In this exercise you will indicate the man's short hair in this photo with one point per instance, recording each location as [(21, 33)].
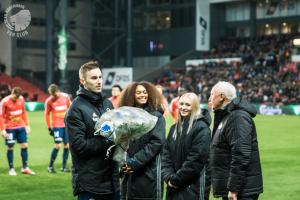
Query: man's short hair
[(88, 67), (117, 86), (52, 89), (17, 91), (225, 88)]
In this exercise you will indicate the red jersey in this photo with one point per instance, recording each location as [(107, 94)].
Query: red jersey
[(174, 108), (12, 113), (114, 101), (57, 107), (166, 106)]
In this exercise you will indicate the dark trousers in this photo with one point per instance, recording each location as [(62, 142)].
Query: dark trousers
[(90, 196), (252, 197)]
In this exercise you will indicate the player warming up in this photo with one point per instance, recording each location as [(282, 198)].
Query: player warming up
[(14, 126), (57, 105)]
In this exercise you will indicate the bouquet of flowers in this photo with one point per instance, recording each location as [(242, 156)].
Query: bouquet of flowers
[(122, 125)]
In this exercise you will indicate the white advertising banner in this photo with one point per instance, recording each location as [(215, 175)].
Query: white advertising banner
[(295, 58), (121, 76), (202, 61), (202, 25)]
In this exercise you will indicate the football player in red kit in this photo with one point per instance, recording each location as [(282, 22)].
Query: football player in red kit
[(57, 105), (14, 126)]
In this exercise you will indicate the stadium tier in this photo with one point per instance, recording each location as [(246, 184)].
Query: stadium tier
[(34, 93), (262, 68)]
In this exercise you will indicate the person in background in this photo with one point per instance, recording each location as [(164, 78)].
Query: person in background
[(186, 152), (115, 95), (56, 106), (165, 102), (94, 176), (26, 96), (234, 156), (14, 125), (175, 104), (142, 173), (5, 90)]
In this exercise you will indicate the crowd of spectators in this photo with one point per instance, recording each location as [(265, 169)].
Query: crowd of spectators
[(265, 73)]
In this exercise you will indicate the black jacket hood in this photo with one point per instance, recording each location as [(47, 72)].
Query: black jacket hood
[(205, 116), (94, 98), (241, 104), (157, 112)]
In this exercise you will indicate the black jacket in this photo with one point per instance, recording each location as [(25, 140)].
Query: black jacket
[(91, 171), (185, 160), (235, 162), (145, 159)]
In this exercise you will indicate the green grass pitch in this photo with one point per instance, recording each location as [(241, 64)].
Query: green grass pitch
[(279, 141)]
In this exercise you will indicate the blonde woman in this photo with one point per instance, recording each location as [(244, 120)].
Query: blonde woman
[(186, 152)]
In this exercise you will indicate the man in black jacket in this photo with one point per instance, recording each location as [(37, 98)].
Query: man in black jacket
[(234, 156), (94, 176)]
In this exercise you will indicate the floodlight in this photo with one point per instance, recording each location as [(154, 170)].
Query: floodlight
[(296, 42)]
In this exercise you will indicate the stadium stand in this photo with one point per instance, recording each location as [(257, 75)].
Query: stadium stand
[(34, 93), (265, 73)]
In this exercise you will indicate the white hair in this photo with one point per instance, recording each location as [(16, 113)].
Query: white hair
[(225, 88)]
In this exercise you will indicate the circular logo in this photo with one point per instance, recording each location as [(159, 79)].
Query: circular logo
[(17, 19), (107, 127)]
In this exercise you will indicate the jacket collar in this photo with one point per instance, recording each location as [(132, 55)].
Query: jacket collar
[(94, 98), (237, 104)]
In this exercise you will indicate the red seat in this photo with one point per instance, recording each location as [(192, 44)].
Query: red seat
[(25, 85)]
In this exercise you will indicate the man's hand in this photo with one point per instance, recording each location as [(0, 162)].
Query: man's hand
[(127, 169), (28, 130), (232, 195), (4, 134), (51, 132)]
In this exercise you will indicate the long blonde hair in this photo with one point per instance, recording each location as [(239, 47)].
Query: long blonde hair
[(195, 113)]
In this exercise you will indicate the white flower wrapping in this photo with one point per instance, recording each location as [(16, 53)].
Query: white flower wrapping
[(122, 125)]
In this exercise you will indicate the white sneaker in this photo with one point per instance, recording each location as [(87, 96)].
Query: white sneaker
[(27, 171), (12, 172)]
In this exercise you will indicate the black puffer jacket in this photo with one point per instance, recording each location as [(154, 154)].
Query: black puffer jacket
[(185, 160), (235, 162), (145, 159), (91, 171)]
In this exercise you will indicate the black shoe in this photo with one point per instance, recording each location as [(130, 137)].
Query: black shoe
[(65, 170), (51, 170)]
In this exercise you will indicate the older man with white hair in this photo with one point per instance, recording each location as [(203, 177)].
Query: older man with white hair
[(234, 156)]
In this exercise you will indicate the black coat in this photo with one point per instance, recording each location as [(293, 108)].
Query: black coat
[(185, 160), (145, 159), (91, 172), (235, 162)]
